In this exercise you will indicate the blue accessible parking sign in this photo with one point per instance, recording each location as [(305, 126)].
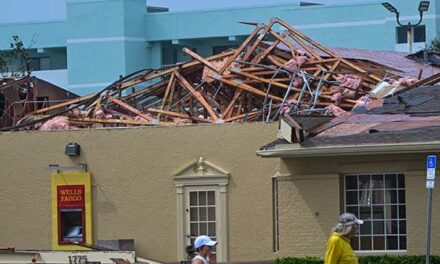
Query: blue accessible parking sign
[(431, 164)]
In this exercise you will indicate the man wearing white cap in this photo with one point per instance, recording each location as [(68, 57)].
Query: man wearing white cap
[(203, 246), (339, 250)]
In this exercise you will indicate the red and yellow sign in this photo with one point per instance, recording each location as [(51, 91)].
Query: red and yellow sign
[(70, 196), (71, 190)]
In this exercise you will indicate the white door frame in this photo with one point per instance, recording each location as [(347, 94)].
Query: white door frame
[(202, 175)]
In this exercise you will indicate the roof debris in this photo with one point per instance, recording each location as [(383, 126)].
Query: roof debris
[(25, 94), (268, 75), (412, 116)]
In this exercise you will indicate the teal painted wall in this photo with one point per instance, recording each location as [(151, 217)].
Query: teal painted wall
[(102, 39), (437, 20), (105, 41), (135, 48), (42, 34)]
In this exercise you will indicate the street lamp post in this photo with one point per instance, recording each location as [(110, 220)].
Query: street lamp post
[(423, 7)]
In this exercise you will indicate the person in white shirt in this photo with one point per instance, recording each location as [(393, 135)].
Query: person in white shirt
[(203, 245)]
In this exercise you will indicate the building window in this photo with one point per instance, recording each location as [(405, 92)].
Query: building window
[(202, 219), (379, 200), (39, 64), (220, 49), (175, 57), (276, 214), (419, 34)]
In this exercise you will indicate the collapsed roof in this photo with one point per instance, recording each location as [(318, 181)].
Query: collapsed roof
[(20, 95), (270, 74), (412, 117)]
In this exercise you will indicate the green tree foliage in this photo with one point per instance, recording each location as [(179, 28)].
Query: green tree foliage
[(434, 45), (16, 62)]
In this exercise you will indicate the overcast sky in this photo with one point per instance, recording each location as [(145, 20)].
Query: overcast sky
[(31, 10)]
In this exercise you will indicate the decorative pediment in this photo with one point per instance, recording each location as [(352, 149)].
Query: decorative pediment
[(202, 172)]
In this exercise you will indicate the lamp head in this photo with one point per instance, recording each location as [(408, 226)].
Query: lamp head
[(390, 7), (423, 6)]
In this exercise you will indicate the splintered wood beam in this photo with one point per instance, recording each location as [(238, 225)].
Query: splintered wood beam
[(304, 37), (130, 108), (169, 102), (116, 121), (323, 61), (327, 51), (179, 115), (263, 55), (259, 39), (196, 94), (253, 69), (360, 70), (241, 116), (160, 73), (274, 61), (145, 90), (61, 105), (98, 105), (228, 111), (305, 46), (334, 66), (240, 104), (167, 91), (245, 87), (200, 59), (272, 82), (291, 47), (240, 49), (282, 38)]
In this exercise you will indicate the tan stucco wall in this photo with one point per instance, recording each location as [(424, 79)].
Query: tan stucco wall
[(310, 200), (134, 195)]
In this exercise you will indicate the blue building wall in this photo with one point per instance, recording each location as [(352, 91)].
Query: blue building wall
[(103, 39)]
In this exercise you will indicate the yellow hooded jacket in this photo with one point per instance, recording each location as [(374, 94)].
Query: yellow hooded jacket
[(339, 250)]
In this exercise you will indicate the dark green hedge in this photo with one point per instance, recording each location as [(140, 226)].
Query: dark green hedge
[(387, 259)]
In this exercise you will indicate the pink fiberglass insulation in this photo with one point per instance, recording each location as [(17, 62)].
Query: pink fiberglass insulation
[(286, 107), (346, 89), (298, 81), (78, 113), (349, 81), (295, 63), (181, 120), (406, 81), (336, 110), (56, 123)]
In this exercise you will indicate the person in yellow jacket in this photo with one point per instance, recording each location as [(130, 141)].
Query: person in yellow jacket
[(339, 250)]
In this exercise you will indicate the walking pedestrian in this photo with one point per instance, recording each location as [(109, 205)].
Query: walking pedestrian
[(203, 246), (339, 250)]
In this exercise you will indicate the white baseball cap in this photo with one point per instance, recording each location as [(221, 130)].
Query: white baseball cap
[(204, 241), (349, 219)]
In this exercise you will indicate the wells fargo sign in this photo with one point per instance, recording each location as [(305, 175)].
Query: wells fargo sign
[(70, 195)]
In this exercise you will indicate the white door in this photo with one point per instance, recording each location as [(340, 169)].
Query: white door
[(201, 211)]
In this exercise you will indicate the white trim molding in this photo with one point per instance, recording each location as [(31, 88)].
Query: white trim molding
[(203, 174), (295, 150), (88, 85)]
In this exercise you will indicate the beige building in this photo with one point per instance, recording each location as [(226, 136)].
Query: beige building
[(370, 162), (164, 186), (158, 186)]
